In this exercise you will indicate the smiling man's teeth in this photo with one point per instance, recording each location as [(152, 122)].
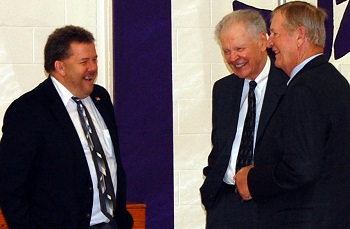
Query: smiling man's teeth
[(239, 65), (87, 77)]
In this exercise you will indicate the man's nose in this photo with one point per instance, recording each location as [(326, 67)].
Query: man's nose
[(269, 42), (92, 66), (233, 56)]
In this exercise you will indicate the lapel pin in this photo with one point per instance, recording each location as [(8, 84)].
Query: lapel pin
[(98, 98)]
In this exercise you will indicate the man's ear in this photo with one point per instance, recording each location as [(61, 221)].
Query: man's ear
[(301, 35), (59, 67), (263, 40)]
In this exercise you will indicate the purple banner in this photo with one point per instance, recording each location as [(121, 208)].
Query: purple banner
[(341, 46), (143, 104)]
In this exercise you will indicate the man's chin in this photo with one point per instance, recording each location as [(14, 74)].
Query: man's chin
[(243, 74), (278, 63)]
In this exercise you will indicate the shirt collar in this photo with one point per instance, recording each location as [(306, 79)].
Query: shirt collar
[(64, 93), (263, 74), (300, 66)]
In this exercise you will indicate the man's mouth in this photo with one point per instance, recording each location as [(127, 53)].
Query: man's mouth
[(276, 51), (88, 78), (239, 65)]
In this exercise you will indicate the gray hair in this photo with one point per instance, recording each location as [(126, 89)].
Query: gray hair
[(255, 24), (300, 13)]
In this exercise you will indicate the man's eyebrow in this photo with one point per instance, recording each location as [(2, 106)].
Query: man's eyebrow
[(86, 58)]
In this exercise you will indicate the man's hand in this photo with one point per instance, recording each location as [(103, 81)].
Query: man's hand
[(242, 183)]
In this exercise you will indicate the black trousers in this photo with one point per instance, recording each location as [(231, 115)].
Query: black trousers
[(230, 211)]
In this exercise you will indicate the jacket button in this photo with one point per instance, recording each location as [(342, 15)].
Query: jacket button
[(88, 215), (90, 189)]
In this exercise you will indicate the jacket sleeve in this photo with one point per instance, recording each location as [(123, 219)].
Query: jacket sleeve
[(215, 152), (17, 153)]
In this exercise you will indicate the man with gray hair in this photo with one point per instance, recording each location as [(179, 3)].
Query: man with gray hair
[(243, 103), (301, 173)]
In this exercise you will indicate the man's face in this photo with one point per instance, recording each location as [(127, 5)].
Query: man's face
[(245, 55), (79, 71), (283, 44)]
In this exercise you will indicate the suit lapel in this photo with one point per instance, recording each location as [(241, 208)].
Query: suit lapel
[(103, 105), (276, 85), (100, 103), (312, 64), (59, 112), (234, 100)]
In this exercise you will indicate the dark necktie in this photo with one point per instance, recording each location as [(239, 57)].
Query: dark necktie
[(105, 185), (245, 152)]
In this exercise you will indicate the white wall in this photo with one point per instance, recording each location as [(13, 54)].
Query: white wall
[(197, 64)]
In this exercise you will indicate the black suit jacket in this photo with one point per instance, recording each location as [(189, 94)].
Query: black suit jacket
[(227, 94), (45, 180), (301, 177)]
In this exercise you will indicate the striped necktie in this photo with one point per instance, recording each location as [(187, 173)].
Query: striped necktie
[(105, 185)]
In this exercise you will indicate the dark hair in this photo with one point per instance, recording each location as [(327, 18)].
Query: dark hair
[(58, 44)]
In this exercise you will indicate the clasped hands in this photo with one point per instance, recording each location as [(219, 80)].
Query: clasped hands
[(241, 179)]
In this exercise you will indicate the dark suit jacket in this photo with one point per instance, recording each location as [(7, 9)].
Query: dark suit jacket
[(301, 177), (45, 180), (227, 94)]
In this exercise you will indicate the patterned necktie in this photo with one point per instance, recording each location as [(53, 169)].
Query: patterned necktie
[(245, 153), (105, 185)]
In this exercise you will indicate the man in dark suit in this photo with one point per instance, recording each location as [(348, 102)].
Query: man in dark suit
[(300, 177), (48, 175), (242, 35)]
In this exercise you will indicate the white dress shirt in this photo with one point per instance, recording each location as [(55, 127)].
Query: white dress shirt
[(96, 215), (260, 89)]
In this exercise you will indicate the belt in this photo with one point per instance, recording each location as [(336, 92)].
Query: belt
[(230, 187), (111, 225)]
